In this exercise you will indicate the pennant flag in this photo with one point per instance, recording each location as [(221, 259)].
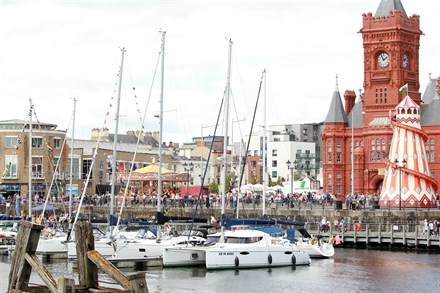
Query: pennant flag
[(17, 205), (403, 89), (121, 181), (303, 184)]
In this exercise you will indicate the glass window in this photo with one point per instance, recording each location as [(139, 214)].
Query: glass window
[(87, 163), (10, 167), (11, 141), (274, 153), (274, 163), (57, 143), (75, 171), (37, 142), (37, 167), (338, 157), (274, 174)]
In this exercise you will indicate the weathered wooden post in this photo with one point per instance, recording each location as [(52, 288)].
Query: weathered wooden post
[(26, 242), (87, 270)]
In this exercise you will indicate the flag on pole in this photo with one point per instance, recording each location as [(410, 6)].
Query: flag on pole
[(403, 89)]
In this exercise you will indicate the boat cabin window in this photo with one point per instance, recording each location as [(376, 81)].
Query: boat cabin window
[(243, 239), (213, 239)]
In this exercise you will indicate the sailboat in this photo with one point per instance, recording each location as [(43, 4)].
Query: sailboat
[(244, 247), (184, 255), (144, 244)]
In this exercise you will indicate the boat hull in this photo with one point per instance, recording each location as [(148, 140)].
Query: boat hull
[(323, 250), (224, 257), (184, 256)]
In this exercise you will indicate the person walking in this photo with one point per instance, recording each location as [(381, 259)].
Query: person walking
[(425, 227)]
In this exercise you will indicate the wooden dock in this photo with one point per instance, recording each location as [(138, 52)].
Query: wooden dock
[(89, 261), (393, 235)]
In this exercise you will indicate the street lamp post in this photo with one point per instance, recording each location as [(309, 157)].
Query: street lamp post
[(400, 165), (291, 167)]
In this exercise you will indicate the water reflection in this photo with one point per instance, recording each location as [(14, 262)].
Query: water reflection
[(350, 271)]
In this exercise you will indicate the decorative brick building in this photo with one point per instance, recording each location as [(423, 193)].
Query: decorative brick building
[(391, 41)]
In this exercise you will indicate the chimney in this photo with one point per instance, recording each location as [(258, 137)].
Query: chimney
[(350, 99)]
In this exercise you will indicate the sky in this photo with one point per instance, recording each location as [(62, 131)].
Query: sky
[(56, 51)]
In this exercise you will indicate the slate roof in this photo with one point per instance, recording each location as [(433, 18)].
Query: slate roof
[(430, 91), (132, 139), (336, 113), (431, 114), (358, 117), (386, 6)]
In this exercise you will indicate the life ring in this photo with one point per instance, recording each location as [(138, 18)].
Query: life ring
[(269, 259), (314, 241), (237, 261)]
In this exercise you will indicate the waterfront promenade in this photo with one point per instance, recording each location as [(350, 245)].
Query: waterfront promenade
[(366, 226)]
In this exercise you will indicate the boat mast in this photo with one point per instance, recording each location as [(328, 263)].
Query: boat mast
[(159, 172), (71, 164), (31, 110), (264, 144), (115, 139), (225, 137)]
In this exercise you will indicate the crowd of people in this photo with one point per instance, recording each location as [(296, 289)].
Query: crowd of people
[(431, 227)]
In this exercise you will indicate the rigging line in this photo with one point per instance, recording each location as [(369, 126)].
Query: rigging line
[(236, 116), (50, 157), (93, 158), (55, 172), (182, 105), (115, 230), (134, 91), (206, 165), (250, 133), (237, 67)]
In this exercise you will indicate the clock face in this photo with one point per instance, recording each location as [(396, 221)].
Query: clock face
[(405, 60), (383, 60)]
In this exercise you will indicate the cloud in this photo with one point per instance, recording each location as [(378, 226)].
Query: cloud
[(54, 51)]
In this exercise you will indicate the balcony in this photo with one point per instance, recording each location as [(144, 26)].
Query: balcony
[(307, 167), (305, 156)]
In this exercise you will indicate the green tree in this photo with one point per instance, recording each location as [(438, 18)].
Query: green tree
[(269, 179), (280, 181), (254, 179), (213, 187)]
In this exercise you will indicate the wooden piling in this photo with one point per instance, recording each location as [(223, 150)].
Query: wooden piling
[(25, 242), (88, 260), (87, 270)]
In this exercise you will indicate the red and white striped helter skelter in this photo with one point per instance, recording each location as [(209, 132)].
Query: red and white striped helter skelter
[(407, 181)]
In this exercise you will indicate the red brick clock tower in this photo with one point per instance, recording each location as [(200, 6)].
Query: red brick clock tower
[(391, 42), (357, 135)]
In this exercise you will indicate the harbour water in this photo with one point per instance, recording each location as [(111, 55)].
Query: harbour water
[(351, 270)]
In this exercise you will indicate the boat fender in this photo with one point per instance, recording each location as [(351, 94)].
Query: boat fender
[(314, 240), (237, 261), (293, 259), (269, 259)]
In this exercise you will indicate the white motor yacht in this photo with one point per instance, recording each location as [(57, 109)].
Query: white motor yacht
[(253, 249)]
